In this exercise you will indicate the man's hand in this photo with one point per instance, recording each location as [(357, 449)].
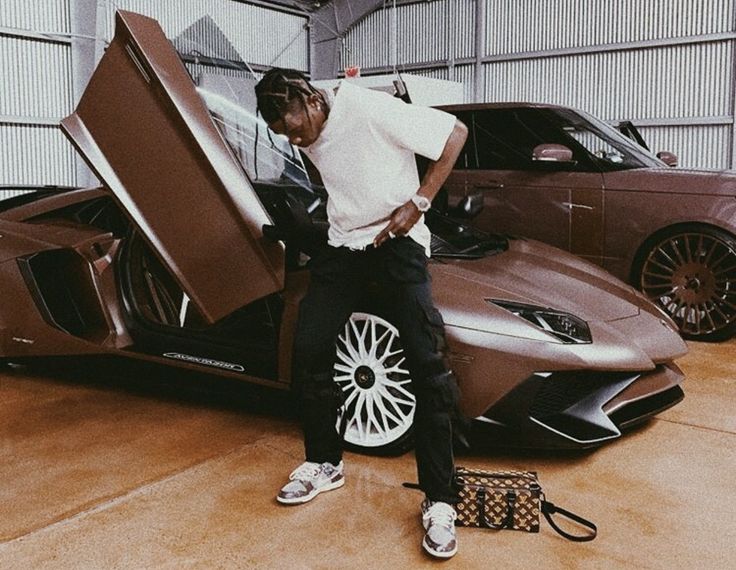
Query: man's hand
[(402, 220)]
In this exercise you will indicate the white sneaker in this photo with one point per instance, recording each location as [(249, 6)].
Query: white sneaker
[(439, 522), (309, 480)]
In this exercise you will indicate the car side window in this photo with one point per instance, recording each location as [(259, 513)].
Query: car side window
[(505, 138)]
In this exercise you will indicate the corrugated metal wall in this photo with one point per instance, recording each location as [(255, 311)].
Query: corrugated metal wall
[(630, 64), (516, 26), (260, 35), (37, 87), (427, 31), (34, 94), (38, 15), (667, 65)]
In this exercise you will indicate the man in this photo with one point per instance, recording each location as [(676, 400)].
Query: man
[(364, 143)]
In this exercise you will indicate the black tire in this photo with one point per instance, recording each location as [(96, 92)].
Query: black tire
[(379, 400), (690, 272)]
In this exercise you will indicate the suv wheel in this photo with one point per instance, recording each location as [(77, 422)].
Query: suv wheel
[(691, 273)]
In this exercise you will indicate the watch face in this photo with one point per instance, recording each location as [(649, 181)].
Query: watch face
[(422, 202)]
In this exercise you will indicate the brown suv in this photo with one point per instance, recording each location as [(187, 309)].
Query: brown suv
[(566, 178)]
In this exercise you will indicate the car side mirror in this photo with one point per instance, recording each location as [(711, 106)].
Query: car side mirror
[(469, 206), (552, 153), (670, 159)]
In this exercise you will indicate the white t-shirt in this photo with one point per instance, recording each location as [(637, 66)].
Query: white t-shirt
[(365, 155)]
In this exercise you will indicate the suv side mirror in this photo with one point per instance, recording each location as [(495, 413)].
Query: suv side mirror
[(469, 206), (552, 153), (670, 159)]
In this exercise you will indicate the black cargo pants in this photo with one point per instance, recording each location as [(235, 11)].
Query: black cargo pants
[(339, 279)]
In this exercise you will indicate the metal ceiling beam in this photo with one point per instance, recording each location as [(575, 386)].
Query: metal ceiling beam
[(328, 27)]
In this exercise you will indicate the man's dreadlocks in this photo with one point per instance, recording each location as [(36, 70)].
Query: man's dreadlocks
[(278, 88)]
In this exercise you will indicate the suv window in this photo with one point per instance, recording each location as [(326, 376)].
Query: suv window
[(504, 139)]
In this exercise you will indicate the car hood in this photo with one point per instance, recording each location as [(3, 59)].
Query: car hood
[(673, 180), (628, 331), (534, 273)]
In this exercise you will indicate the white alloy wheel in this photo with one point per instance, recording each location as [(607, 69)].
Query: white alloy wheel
[(371, 371)]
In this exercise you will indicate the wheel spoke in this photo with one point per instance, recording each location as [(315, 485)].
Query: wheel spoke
[(722, 271), (396, 368), (717, 309), (372, 419), (709, 316), (722, 258), (700, 246), (389, 353), (666, 286), (358, 415), (353, 354), (350, 397), (403, 391), (344, 368), (377, 343), (343, 378), (656, 275), (688, 253), (359, 337), (402, 382), (711, 251), (669, 269), (723, 301), (396, 402), (696, 312), (676, 249), (380, 402)]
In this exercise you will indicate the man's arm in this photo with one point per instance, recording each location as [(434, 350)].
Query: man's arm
[(404, 217)]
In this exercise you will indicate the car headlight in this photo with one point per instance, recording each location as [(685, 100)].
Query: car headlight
[(566, 327)]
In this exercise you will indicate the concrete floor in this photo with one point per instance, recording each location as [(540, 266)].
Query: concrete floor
[(144, 469)]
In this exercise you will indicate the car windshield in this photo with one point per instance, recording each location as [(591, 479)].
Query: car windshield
[(226, 84), (609, 147), (450, 238)]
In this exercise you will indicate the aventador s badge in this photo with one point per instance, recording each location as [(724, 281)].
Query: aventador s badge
[(205, 361)]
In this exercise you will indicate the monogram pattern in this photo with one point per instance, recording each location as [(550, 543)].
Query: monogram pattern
[(502, 499)]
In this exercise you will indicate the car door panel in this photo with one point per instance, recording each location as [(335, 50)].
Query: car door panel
[(559, 203), (515, 205), (146, 133), (586, 221)]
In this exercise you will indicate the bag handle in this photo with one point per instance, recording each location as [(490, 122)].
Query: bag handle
[(508, 521), (549, 509)]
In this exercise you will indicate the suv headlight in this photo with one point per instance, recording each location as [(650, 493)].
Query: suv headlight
[(566, 327)]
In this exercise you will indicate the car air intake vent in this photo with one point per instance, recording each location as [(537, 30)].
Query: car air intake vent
[(571, 404), (60, 281), (560, 390)]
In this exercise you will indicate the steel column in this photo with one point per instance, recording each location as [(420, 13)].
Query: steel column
[(480, 42), (733, 96)]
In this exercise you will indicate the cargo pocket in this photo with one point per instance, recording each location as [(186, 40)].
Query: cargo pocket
[(405, 261), (442, 392), (434, 326)]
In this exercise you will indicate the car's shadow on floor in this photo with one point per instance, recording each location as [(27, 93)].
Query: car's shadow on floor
[(164, 383), (193, 388)]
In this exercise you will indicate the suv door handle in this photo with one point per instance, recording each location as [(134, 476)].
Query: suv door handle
[(490, 185), (571, 205)]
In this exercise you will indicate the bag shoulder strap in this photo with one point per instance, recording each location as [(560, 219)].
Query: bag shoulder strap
[(549, 509)]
